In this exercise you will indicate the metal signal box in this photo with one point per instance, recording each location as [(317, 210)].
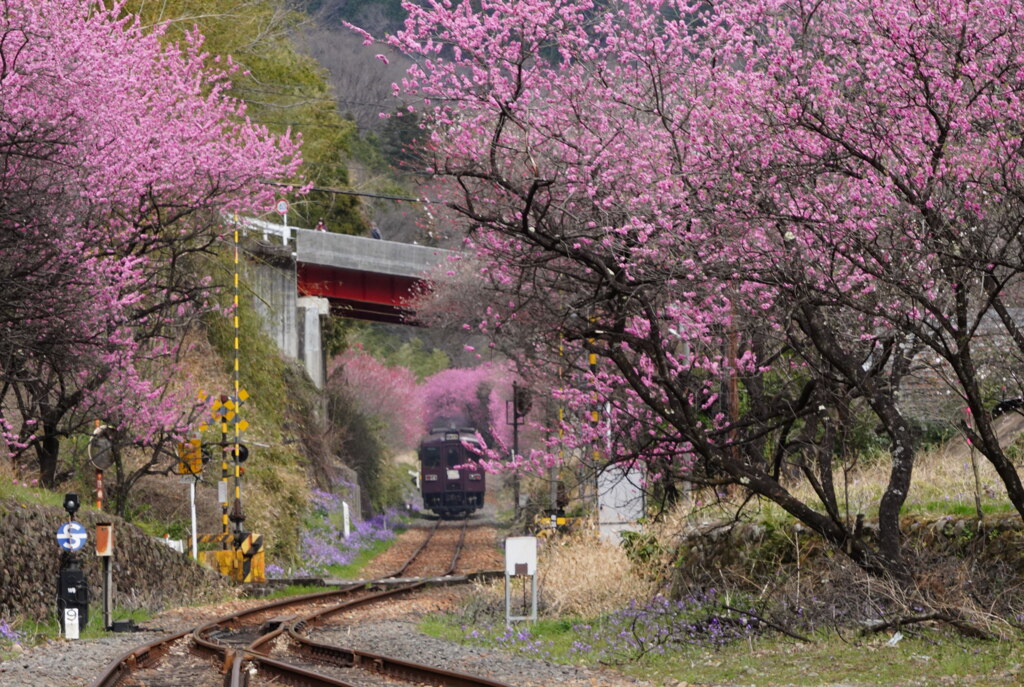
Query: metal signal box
[(104, 539)]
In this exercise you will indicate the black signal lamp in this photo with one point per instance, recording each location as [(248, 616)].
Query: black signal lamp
[(522, 400), (71, 504)]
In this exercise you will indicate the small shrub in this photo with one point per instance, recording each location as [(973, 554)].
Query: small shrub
[(644, 551)]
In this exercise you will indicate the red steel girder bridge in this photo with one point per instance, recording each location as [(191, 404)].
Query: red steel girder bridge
[(363, 278)]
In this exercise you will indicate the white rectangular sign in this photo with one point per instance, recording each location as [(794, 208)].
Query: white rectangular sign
[(71, 623), (519, 552)]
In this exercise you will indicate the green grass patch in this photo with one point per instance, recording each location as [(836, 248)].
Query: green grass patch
[(958, 508), (32, 632), (177, 528), (296, 590), (353, 569), (925, 658), (26, 494)]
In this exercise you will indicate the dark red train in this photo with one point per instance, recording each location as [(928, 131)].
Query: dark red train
[(451, 481)]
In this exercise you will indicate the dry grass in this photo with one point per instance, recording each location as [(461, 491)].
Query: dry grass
[(947, 480), (581, 575), (578, 575), (943, 482)]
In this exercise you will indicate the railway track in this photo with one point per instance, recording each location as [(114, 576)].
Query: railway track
[(275, 644), (426, 560)]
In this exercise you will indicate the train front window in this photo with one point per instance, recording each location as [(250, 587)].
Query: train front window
[(453, 458), (430, 456)]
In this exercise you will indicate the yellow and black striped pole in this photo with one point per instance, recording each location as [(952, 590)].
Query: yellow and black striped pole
[(236, 399), (223, 471)]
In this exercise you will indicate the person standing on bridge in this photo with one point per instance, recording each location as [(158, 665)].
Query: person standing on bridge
[(375, 232), (320, 226)]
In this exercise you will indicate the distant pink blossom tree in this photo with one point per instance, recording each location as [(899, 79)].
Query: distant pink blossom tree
[(755, 214), (470, 397), (387, 393), (121, 157)]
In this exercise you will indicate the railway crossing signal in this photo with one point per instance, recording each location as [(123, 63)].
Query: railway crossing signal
[(241, 556), (190, 457)]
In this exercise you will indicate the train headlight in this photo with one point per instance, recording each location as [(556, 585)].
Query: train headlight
[(475, 476), (429, 478)]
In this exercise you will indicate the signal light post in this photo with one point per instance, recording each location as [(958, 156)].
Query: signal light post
[(522, 400), (72, 586), (190, 467)]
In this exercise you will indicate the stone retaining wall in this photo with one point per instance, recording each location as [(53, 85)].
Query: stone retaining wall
[(147, 574)]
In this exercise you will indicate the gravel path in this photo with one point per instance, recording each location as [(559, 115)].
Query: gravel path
[(403, 640), (68, 663)]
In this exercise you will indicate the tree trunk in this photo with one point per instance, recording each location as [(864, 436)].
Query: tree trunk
[(47, 451)]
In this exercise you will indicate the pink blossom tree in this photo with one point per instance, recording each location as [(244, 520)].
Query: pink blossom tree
[(754, 214), (121, 157), (470, 397), (388, 394), (904, 211)]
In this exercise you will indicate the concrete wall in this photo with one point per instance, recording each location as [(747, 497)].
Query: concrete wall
[(292, 322), (271, 276)]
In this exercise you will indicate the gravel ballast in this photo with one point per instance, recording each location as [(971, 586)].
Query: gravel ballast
[(389, 630)]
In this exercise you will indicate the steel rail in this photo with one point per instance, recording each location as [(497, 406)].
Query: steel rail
[(343, 657), (386, 665), (118, 670), (319, 652), (458, 547), (149, 654), (321, 616), (236, 662)]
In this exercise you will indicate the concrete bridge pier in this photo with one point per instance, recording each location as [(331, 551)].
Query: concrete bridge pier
[(292, 322)]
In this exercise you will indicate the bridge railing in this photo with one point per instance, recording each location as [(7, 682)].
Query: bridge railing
[(268, 229), (344, 251)]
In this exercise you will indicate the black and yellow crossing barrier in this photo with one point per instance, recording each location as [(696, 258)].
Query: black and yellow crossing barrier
[(244, 561)]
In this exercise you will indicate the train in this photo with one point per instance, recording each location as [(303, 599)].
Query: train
[(448, 490)]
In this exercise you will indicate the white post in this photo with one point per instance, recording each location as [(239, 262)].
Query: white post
[(70, 623), (345, 521), (192, 503)]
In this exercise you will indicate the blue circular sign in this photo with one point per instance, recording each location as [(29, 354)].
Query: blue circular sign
[(71, 536)]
